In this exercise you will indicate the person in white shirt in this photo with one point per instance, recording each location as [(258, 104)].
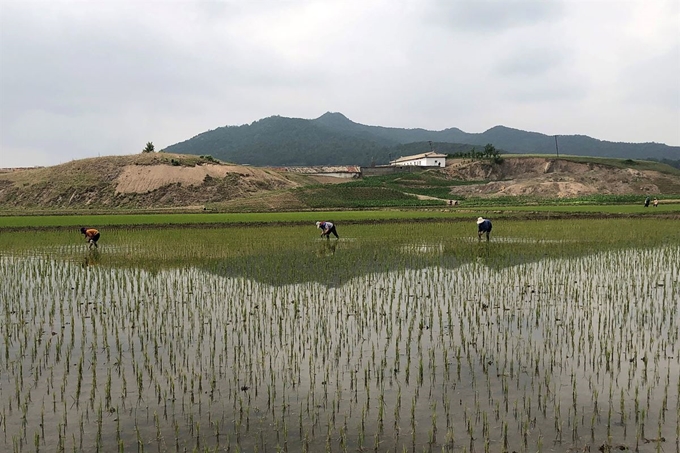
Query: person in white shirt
[(326, 229)]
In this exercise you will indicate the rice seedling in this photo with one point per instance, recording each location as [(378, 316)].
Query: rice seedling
[(252, 340)]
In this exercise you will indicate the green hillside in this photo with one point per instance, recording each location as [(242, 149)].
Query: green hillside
[(279, 141), (333, 139)]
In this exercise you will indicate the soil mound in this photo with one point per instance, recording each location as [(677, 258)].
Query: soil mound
[(556, 178), (142, 179), (156, 180)]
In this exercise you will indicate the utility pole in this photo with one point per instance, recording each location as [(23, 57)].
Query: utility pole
[(557, 148)]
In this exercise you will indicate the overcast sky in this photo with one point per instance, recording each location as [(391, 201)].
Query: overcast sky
[(93, 78)]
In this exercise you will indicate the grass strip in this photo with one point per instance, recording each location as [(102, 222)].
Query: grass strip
[(386, 215)]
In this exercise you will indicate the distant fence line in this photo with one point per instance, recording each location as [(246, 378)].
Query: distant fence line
[(338, 171), (350, 171), (391, 169)]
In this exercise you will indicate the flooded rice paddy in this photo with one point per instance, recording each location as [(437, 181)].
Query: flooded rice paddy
[(554, 336)]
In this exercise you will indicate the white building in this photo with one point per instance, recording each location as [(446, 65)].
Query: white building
[(430, 159)]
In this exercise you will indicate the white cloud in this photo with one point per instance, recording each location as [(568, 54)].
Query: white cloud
[(86, 78)]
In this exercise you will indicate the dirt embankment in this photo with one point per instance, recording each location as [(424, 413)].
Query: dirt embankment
[(168, 181), (138, 181), (143, 179), (554, 178)]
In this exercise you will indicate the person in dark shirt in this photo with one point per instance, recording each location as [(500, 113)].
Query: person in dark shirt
[(91, 236), (326, 229), (483, 226)]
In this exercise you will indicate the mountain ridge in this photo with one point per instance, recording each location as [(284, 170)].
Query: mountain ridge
[(334, 139)]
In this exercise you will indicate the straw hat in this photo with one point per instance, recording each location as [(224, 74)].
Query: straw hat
[(317, 224), (480, 220)]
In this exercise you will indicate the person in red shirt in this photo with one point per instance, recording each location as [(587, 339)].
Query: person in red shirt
[(91, 236)]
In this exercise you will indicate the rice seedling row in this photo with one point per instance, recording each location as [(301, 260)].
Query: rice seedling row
[(442, 344)]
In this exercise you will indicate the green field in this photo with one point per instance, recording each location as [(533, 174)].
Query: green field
[(383, 215), (214, 218)]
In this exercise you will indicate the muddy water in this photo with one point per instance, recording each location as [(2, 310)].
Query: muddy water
[(419, 345)]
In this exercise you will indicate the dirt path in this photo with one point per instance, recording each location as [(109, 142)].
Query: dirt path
[(426, 197)]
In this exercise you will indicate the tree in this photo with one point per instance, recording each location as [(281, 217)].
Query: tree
[(491, 153), (149, 148)]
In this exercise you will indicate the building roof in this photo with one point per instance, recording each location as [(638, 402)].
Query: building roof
[(418, 156)]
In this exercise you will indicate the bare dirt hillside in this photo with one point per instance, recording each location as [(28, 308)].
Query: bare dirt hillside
[(170, 181), (143, 180), (553, 178)]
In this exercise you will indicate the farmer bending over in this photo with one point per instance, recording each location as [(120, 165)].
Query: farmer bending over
[(326, 229), (91, 236), (483, 226)]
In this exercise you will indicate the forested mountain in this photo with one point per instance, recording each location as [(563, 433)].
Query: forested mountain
[(334, 139), (286, 141)]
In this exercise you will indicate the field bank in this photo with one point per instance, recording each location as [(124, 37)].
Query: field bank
[(538, 212)]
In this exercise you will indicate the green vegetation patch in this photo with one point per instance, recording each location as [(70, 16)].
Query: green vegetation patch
[(587, 201), (468, 209), (275, 246), (133, 220), (430, 183), (347, 196)]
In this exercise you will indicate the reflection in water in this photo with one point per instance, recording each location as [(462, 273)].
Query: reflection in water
[(443, 351), (285, 266), (434, 248), (92, 257), (326, 248)]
